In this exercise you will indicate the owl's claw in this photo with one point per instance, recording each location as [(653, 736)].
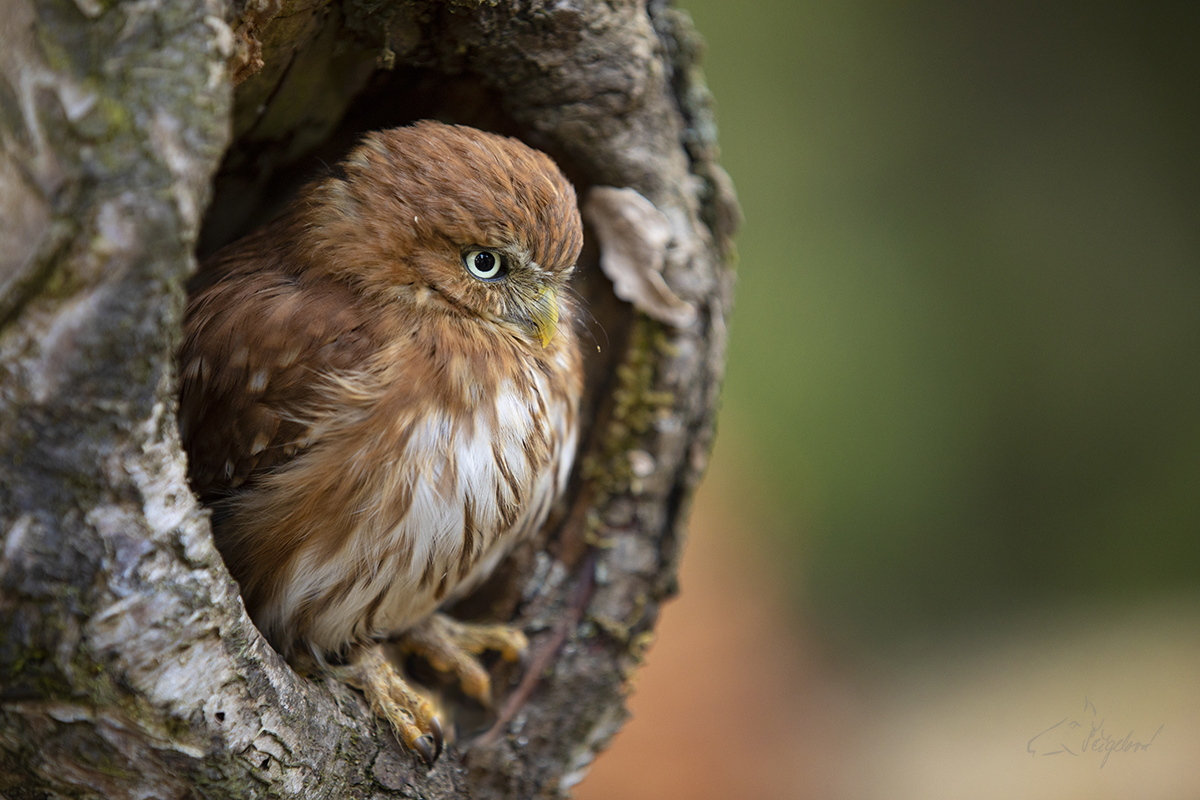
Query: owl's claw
[(435, 728), (421, 745), (429, 747), (451, 647), (411, 715)]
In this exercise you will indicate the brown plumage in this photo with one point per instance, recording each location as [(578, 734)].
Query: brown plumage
[(380, 393)]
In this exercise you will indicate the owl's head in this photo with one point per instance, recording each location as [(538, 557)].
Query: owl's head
[(460, 220)]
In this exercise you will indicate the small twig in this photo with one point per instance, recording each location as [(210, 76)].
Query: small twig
[(546, 652)]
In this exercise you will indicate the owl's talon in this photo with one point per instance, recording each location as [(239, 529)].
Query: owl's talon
[(425, 749), (452, 647), (412, 716), (435, 728)]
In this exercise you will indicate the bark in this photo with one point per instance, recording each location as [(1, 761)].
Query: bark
[(128, 667)]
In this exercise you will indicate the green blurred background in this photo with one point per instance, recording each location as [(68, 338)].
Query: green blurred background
[(965, 359), (955, 497)]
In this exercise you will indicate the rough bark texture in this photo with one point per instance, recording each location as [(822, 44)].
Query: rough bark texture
[(128, 667)]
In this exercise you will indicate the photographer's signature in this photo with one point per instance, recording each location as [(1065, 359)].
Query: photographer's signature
[(1073, 737)]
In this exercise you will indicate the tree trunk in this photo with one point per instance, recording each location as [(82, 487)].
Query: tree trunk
[(128, 666)]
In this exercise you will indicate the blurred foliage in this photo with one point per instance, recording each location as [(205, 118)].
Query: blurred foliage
[(966, 350)]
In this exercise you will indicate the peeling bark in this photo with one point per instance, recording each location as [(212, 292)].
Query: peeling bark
[(128, 667)]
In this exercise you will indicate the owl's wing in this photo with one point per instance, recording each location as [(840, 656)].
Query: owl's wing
[(254, 344)]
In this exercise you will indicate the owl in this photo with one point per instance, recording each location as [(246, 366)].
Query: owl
[(379, 398)]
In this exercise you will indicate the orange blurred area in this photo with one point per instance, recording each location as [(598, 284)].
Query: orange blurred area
[(734, 700)]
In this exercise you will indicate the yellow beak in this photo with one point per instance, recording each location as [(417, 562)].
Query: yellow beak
[(543, 315)]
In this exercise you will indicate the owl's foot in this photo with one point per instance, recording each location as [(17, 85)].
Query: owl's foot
[(411, 714), (452, 647)]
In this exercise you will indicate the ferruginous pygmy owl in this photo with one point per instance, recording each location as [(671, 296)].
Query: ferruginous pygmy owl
[(380, 394)]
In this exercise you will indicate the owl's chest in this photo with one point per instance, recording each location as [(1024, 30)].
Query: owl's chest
[(472, 479), (456, 489)]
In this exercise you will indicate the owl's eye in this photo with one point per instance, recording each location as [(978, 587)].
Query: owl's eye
[(487, 265)]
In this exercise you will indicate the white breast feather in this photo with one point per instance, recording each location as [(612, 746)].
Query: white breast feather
[(435, 520)]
